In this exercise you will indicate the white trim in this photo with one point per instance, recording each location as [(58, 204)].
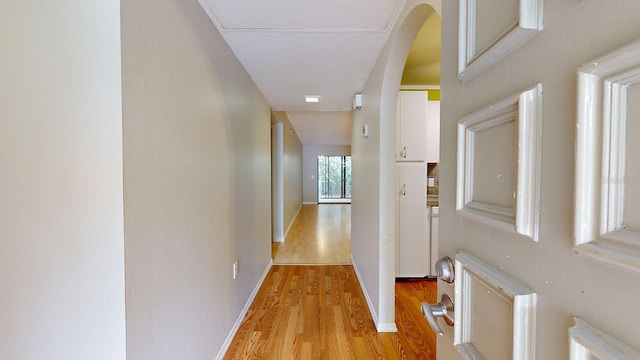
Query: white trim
[(599, 229), (523, 216), (587, 341), (472, 61), (387, 327), (436, 4), (243, 313), (523, 307), (210, 13), (529, 160), (310, 203), (381, 327), (419, 87), (277, 181)]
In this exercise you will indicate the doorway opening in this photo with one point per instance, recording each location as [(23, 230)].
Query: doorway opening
[(334, 179)]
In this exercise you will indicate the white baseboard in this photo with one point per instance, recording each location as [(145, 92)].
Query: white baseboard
[(372, 310), (381, 327), (387, 328), (236, 326), (279, 239), (292, 221), (310, 203)]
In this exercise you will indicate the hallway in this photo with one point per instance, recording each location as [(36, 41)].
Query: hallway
[(319, 311), (319, 235)]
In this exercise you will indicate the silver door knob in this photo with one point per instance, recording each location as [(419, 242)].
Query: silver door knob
[(443, 309), (446, 270)]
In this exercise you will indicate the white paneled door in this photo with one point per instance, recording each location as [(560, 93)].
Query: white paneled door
[(540, 179)]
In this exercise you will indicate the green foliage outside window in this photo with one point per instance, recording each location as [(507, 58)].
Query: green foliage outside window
[(334, 177)]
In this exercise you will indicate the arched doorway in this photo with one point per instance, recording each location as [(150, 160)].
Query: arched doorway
[(374, 167)]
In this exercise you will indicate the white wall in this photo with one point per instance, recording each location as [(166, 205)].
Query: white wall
[(373, 185), (292, 168), (310, 155), (61, 211), (197, 181)]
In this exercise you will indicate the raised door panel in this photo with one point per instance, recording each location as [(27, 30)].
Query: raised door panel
[(570, 126), (607, 226)]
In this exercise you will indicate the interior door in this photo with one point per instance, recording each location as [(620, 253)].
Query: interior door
[(539, 189)]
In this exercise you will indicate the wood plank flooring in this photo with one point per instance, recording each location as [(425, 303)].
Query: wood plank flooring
[(320, 234), (319, 312)]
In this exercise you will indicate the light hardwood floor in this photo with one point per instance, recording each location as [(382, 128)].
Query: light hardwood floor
[(319, 312), (320, 235)]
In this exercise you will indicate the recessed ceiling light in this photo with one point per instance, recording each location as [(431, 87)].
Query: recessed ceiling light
[(312, 98)]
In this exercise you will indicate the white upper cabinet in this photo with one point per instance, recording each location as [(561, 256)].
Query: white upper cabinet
[(432, 137), (411, 144), (418, 131)]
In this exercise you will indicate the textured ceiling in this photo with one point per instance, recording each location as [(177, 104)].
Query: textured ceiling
[(287, 66), (322, 127), (292, 48), (305, 15)]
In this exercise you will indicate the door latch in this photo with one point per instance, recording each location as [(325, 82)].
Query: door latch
[(443, 309), (445, 270)]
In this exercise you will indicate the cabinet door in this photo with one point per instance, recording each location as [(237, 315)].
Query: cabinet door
[(413, 239), (411, 125), (434, 217), (432, 138)]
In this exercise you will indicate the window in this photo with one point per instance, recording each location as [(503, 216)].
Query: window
[(334, 178)]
